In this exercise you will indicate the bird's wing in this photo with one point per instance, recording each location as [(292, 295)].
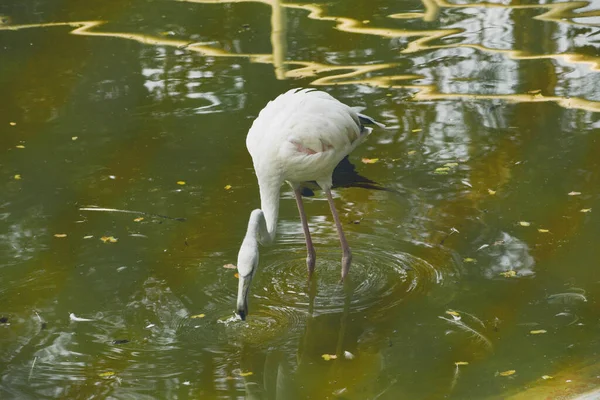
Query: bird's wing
[(318, 122)]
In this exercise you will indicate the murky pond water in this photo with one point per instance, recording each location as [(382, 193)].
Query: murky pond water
[(475, 274)]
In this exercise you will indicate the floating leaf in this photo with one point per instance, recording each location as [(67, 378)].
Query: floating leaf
[(546, 377), (106, 374), (12, 123), (348, 355), (541, 230), (369, 160), (451, 164), (470, 260), (198, 316), (237, 275), (109, 239), (60, 235), (524, 223), (88, 236), (509, 274), (461, 363), (507, 373), (138, 219), (229, 266), (17, 177), (441, 170), (181, 183), (453, 313), (537, 332), (491, 192), (574, 193), (586, 210), (20, 146), (366, 21), (246, 373), (412, 152), (417, 130), (74, 138), (227, 187), (328, 357)]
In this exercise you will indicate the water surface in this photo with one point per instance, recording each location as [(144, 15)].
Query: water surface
[(488, 231)]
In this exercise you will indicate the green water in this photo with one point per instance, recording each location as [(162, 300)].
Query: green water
[(491, 158)]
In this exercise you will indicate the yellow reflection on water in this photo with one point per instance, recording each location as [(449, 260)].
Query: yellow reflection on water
[(424, 40)]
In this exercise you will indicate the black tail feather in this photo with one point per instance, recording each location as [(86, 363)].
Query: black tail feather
[(344, 175)]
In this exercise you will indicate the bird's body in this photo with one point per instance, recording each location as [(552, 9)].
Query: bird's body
[(300, 136)]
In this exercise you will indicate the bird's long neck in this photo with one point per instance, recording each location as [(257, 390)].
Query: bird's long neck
[(269, 204)]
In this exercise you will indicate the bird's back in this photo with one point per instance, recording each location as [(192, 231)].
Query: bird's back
[(302, 135)]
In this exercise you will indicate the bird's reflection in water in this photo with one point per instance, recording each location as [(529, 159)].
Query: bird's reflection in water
[(301, 372)]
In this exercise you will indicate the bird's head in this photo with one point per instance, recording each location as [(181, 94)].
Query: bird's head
[(246, 265)]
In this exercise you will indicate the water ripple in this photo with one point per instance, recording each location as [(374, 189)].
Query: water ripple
[(378, 280)]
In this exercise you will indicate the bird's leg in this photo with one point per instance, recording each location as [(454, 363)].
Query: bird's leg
[(311, 255), (346, 254)]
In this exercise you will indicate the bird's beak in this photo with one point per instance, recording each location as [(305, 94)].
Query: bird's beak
[(242, 297)]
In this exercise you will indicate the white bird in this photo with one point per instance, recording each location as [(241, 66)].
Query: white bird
[(300, 136)]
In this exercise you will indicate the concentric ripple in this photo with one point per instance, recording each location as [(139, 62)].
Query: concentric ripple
[(378, 280)]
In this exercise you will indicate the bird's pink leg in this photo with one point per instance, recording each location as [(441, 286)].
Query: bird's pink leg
[(346, 254), (311, 255)]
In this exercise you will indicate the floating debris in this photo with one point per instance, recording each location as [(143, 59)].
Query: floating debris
[(538, 332), (509, 274), (369, 160), (507, 373), (75, 318)]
